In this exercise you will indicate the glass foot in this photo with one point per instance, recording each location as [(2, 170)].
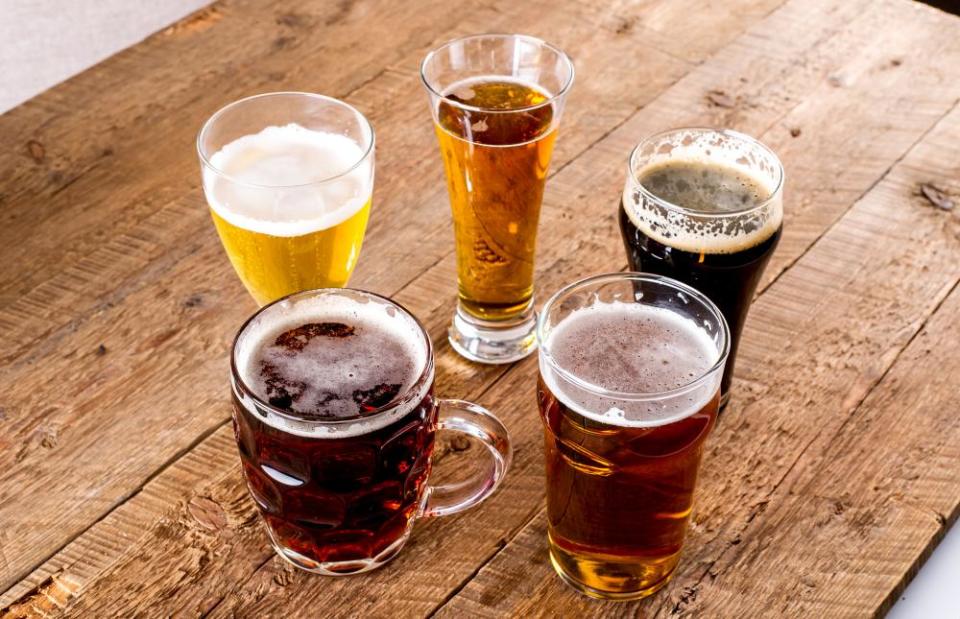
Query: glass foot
[(494, 342)]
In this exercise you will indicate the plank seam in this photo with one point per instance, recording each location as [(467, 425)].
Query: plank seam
[(115, 506)]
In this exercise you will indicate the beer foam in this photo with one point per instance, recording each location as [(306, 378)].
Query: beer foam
[(710, 232), (463, 89), (402, 342), (629, 348), (270, 182)]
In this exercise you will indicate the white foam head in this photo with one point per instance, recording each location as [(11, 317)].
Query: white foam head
[(630, 364), (288, 180), (393, 338), (707, 232)]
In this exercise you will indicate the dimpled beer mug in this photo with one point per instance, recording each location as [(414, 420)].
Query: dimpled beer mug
[(335, 417), (496, 102), (630, 371), (289, 178)]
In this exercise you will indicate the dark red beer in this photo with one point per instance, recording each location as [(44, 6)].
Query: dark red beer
[(335, 441)]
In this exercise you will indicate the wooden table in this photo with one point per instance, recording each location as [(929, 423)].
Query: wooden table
[(828, 481)]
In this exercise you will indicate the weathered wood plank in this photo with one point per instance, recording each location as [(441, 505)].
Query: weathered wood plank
[(868, 499), (154, 269), (809, 502), (124, 267), (594, 177)]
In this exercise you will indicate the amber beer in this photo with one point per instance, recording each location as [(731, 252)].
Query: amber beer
[(628, 393), (495, 178), (705, 207), (497, 102), (335, 419), (289, 178)]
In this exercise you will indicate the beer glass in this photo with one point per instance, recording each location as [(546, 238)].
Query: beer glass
[(288, 177), (629, 388), (496, 102), (335, 417), (705, 206)]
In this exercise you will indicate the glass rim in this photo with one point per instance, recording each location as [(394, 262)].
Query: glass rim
[(743, 137), (633, 396), (205, 160), (399, 400), (567, 61)]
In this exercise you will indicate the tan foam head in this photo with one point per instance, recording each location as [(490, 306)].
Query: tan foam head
[(618, 351), (332, 373)]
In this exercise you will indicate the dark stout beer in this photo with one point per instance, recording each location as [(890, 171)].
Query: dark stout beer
[(496, 165), (338, 496), (622, 446), (708, 222)]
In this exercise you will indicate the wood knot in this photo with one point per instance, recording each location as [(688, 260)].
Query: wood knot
[(207, 513), (294, 20), (36, 151), (283, 42), (719, 98), (49, 437), (194, 300), (625, 25), (838, 81), (936, 196)]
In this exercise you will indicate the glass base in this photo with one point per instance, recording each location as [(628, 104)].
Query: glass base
[(338, 568), (612, 578), (494, 342)]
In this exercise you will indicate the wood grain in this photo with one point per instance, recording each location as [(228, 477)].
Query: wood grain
[(103, 272), (805, 502), (172, 531)]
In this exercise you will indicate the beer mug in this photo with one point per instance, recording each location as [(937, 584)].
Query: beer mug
[(335, 418), (496, 102), (705, 206), (629, 388), (288, 177)]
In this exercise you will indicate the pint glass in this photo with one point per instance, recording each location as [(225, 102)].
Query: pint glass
[(496, 102), (630, 369), (288, 177), (705, 206), (335, 417)]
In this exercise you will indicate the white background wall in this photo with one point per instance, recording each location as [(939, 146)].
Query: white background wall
[(43, 42)]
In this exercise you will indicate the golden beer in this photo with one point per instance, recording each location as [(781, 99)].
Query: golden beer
[(272, 267), (496, 167), (496, 101), (288, 178)]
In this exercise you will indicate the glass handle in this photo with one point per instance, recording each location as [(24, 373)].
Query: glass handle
[(469, 418)]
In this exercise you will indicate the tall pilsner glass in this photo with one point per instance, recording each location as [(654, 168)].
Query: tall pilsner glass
[(288, 177), (496, 102)]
